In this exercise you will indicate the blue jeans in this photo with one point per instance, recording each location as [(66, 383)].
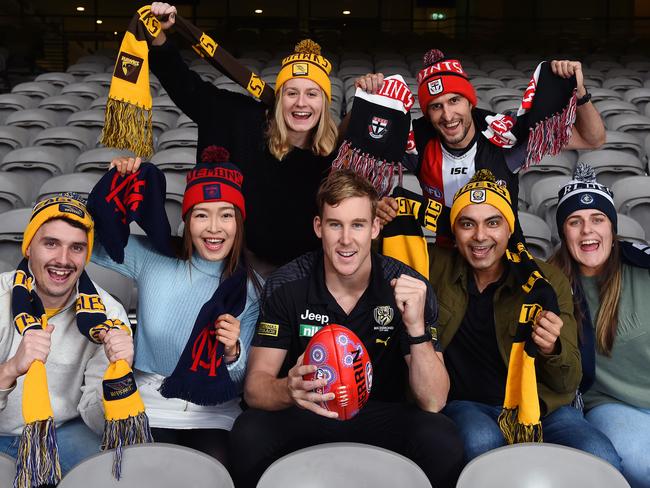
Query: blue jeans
[(75, 439), (477, 423), (629, 430)]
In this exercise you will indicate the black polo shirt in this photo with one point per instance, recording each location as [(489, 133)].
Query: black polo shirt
[(297, 303)]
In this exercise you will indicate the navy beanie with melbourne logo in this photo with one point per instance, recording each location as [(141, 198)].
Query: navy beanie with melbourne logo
[(584, 192)]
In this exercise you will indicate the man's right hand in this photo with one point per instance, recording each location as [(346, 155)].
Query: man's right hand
[(387, 210), (34, 346), (370, 83), (161, 10), (300, 390), (126, 165)]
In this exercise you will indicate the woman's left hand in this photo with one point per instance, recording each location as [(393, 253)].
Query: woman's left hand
[(227, 328)]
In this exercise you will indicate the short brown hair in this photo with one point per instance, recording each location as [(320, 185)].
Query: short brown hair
[(342, 184)]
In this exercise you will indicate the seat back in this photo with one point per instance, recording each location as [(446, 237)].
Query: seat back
[(97, 160), (11, 138), (156, 465), (15, 191), (632, 198), (179, 159), (37, 162), (343, 464), (534, 465), (543, 199), (630, 230), (80, 183), (7, 463), (539, 240), (12, 227), (72, 140)]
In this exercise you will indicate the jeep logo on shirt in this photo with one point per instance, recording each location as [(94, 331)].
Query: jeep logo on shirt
[(307, 315)]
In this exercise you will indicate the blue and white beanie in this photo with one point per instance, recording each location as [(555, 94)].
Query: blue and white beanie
[(584, 192)]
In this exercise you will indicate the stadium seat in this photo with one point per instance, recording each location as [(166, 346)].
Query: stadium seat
[(7, 463), (12, 102), (91, 120), (625, 73), (537, 465), (174, 200), (33, 119), (543, 199), (605, 64), (154, 82), (96, 59), (4, 267), (84, 89), (539, 240), (38, 163), (97, 160), (611, 165), (12, 138), (561, 164), (73, 140), (475, 72), (207, 72), (494, 64), (599, 94), (609, 108), (621, 84), (64, 105), (634, 124), (630, 230), (527, 66), (36, 89), (497, 95), (184, 121), (185, 137), (165, 103), (594, 74), (102, 79), (591, 83), (506, 74), (57, 79), (622, 141), (12, 227), (180, 159), (141, 468), (98, 103), (639, 97), (80, 183), (507, 105), (632, 198), (162, 121), (483, 83), (81, 70), (343, 464), (354, 71), (15, 191), (118, 285)]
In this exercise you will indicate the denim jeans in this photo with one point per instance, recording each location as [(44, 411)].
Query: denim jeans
[(75, 439), (477, 423), (629, 430)]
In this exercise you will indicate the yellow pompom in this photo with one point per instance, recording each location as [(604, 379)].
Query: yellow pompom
[(483, 175), (307, 46)]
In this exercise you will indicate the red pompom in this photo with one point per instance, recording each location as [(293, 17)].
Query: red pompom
[(215, 154), (433, 56), (343, 361)]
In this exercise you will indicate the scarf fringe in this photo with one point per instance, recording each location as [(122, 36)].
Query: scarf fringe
[(549, 136), (126, 432), (380, 173), (37, 462), (204, 393), (128, 126), (516, 432)]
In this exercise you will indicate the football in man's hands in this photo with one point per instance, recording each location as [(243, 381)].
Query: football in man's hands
[(342, 359)]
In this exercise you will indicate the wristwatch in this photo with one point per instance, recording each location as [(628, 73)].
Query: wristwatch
[(583, 99), (419, 339)]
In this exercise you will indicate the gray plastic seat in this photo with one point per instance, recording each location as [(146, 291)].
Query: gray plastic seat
[(207, 72), (638, 125), (599, 94), (165, 103), (80, 183), (559, 165), (185, 137), (494, 64), (7, 463), (543, 199), (85, 89), (156, 465), (102, 79), (6, 476), (119, 286), (611, 165), (625, 73), (162, 121), (537, 465), (81, 70), (344, 464), (15, 191), (497, 95), (539, 239), (604, 64), (639, 97), (91, 120), (621, 83), (33, 119), (609, 108), (64, 105), (184, 121), (622, 141), (632, 198), (518, 84), (594, 74), (12, 138), (97, 160), (630, 230), (36, 89), (12, 227), (56, 78), (12, 102), (176, 159), (73, 140), (174, 198), (507, 105), (487, 83), (505, 74), (98, 103), (38, 163)]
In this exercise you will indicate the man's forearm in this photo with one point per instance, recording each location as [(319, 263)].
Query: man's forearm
[(266, 392), (8, 375), (428, 377)]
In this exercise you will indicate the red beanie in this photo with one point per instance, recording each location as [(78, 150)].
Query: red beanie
[(441, 75), (214, 179)]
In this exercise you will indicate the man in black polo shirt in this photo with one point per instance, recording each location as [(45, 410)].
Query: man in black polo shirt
[(389, 306)]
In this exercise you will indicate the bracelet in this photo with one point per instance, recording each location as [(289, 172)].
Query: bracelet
[(234, 357), (583, 99), (419, 339)]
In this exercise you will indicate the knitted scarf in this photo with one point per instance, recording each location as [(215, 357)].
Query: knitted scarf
[(37, 462), (201, 375), (376, 137), (128, 122)]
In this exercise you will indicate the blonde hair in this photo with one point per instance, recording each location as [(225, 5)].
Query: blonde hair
[(324, 135), (342, 184), (609, 293)]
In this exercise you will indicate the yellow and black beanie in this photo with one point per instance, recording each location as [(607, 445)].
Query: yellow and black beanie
[(482, 188), (65, 206), (306, 62)]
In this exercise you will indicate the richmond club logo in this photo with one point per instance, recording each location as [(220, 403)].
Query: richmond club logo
[(383, 315), (378, 128)]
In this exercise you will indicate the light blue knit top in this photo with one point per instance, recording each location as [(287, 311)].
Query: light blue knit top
[(170, 294)]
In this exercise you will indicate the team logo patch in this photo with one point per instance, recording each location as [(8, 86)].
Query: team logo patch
[(128, 67), (211, 192), (501, 183), (119, 387), (300, 69), (435, 87), (477, 196), (378, 127), (307, 330), (586, 199), (383, 315), (268, 329), (71, 209)]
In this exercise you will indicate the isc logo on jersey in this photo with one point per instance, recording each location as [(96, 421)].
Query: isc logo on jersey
[(459, 171)]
